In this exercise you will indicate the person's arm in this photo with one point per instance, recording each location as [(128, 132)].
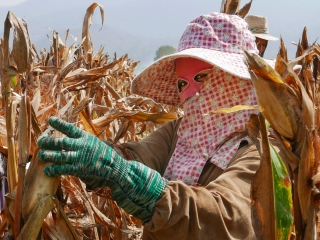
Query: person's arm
[(220, 210), (156, 149), (135, 187)]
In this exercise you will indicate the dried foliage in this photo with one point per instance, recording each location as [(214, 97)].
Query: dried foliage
[(233, 7), (92, 91), (88, 89), (289, 99)]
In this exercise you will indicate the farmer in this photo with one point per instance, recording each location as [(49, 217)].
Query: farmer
[(191, 178), (258, 25)]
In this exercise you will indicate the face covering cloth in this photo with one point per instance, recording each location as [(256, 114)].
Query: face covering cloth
[(203, 136)]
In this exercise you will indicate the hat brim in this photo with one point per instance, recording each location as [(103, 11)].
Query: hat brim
[(158, 81), (265, 36)]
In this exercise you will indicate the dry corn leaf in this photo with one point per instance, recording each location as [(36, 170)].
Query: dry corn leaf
[(87, 44), (12, 157), (21, 42), (65, 108), (37, 186), (304, 41), (281, 59), (24, 146), (232, 6), (31, 228), (234, 109), (64, 227), (287, 112), (263, 206), (49, 230), (136, 116), (304, 177), (65, 70), (282, 115), (244, 10), (122, 130), (262, 68), (82, 105), (99, 217)]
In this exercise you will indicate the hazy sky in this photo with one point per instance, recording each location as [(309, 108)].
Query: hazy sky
[(157, 22)]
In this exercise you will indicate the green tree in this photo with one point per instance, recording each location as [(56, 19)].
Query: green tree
[(163, 51)]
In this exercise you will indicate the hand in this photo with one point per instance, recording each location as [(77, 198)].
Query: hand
[(79, 154), (135, 187)]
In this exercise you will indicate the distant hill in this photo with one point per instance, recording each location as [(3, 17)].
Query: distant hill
[(138, 48), (117, 34), (62, 15)]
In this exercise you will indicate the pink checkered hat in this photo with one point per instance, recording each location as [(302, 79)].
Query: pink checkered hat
[(216, 38)]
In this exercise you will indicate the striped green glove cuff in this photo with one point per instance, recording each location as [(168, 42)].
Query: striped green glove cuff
[(135, 187)]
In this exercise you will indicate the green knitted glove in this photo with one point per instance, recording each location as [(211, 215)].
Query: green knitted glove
[(135, 187)]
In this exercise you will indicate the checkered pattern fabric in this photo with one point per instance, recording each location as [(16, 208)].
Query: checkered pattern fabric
[(204, 136), (217, 31), (216, 38)]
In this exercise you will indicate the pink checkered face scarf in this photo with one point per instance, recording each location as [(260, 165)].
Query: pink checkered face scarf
[(204, 136)]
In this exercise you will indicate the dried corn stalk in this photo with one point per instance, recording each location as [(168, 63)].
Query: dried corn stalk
[(290, 103), (88, 89)]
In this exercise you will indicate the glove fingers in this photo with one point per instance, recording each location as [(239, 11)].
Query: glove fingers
[(57, 156), (65, 127), (56, 170), (53, 143), (46, 133)]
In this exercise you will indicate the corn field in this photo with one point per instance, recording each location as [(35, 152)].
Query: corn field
[(92, 90)]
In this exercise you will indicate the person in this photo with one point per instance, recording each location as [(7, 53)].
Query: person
[(191, 178), (258, 25)]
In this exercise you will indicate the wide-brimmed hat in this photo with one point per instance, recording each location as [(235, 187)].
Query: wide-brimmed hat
[(216, 38), (258, 25)]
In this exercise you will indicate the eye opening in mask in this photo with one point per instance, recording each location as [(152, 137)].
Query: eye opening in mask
[(201, 76), (182, 84)]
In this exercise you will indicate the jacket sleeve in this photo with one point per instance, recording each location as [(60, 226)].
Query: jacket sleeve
[(219, 210), (154, 150)]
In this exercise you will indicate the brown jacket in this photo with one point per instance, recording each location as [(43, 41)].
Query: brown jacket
[(217, 209)]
